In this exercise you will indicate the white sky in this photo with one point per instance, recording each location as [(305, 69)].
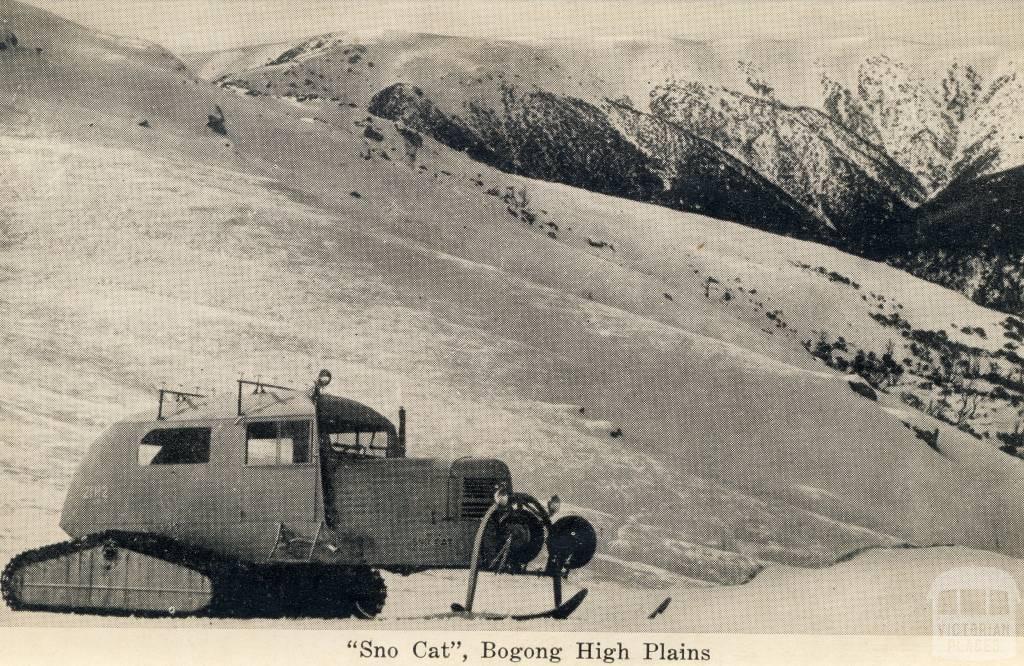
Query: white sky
[(198, 25)]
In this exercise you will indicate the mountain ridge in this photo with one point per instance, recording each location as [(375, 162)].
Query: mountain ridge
[(875, 140)]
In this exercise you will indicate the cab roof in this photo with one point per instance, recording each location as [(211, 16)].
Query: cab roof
[(266, 402)]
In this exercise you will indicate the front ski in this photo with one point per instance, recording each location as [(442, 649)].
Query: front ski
[(560, 612)]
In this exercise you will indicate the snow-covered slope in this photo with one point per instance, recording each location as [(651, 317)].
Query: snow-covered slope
[(163, 229), (612, 149), (537, 112), (837, 141), (938, 111)]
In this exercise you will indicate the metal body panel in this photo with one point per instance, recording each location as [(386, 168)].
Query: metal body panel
[(409, 512), (269, 493)]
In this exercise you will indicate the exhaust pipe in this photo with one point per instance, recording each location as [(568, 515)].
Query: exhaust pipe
[(400, 453)]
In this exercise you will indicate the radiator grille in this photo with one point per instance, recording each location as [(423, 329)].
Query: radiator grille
[(477, 496)]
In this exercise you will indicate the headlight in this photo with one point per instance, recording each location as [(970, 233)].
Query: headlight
[(324, 378), (501, 495), (554, 504)]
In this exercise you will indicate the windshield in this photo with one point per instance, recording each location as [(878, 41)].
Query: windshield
[(357, 442)]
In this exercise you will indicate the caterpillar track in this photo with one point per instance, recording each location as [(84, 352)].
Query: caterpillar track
[(140, 574)]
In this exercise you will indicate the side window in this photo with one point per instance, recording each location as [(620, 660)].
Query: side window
[(175, 446), (277, 443), (261, 444)]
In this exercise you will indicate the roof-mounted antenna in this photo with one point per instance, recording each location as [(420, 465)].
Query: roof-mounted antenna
[(259, 387), (179, 396), (160, 404)]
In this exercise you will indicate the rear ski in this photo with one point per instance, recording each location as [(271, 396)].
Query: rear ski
[(660, 609)]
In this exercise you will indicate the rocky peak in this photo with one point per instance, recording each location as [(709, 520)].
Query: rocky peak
[(8, 40)]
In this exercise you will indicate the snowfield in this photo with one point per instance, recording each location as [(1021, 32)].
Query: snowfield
[(880, 592)]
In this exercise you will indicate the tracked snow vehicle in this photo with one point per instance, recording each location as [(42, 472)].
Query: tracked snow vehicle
[(280, 502)]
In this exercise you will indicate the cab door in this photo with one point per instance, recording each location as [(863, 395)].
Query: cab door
[(171, 478), (278, 477)]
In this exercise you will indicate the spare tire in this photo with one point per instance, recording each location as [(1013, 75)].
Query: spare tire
[(572, 542)]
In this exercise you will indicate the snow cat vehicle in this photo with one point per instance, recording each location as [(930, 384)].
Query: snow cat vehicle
[(281, 502)]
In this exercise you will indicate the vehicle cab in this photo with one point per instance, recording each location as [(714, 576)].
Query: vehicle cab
[(275, 474)]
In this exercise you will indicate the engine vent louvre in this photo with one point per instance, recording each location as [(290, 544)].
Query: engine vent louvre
[(477, 496)]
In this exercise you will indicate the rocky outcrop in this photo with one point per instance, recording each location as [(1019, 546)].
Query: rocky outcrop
[(8, 40)]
